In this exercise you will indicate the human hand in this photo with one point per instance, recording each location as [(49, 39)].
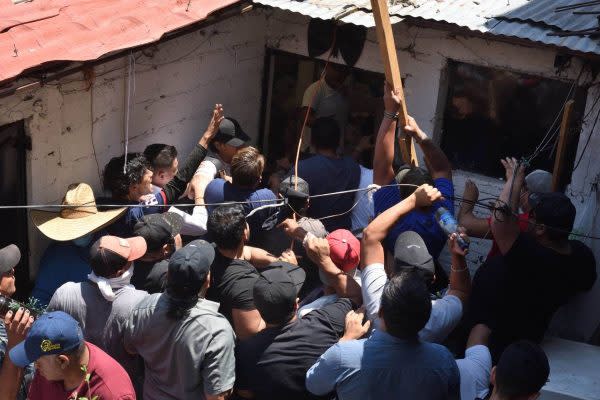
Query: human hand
[(513, 168), (454, 243), (223, 175), (17, 325), (213, 125), (412, 129), (391, 98), (426, 195), (317, 249), (471, 192), (289, 256), (289, 226), (355, 329)]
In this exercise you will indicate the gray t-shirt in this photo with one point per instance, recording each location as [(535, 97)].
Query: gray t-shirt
[(102, 321), (185, 358)]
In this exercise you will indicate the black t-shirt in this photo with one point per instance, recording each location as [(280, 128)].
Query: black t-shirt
[(231, 284), (273, 363), (517, 294), (150, 276)]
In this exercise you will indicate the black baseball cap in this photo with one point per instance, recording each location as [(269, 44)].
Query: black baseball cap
[(231, 133), (188, 268), (9, 258), (276, 289), (158, 229), (410, 251), (553, 209), (522, 370)]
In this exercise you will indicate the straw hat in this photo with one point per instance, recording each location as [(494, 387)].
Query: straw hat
[(76, 221)]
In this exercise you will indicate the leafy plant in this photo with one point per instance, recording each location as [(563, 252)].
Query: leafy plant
[(33, 305), (87, 382)]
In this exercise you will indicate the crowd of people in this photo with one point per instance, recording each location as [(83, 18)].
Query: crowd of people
[(206, 283)]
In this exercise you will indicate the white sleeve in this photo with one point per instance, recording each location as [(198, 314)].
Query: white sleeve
[(373, 278), (308, 96), (445, 315), (475, 371), (193, 224), (207, 168)]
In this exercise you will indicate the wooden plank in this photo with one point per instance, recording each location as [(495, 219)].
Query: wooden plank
[(387, 45), (563, 140)]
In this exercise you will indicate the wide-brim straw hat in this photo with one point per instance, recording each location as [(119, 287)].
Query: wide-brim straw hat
[(79, 219)]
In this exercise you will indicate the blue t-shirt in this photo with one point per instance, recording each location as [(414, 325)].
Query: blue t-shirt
[(123, 226), (219, 191), (422, 223), (61, 263), (326, 175)]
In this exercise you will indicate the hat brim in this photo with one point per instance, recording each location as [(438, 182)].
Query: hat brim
[(137, 246), (18, 355), (61, 229), (237, 142), (10, 257)]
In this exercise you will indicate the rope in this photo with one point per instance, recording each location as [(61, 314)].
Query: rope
[(130, 78)]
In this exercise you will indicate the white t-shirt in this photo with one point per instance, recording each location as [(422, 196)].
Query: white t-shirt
[(327, 102), (475, 371), (445, 312)]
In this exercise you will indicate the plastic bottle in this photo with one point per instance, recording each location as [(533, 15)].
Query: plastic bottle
[(449, 225)]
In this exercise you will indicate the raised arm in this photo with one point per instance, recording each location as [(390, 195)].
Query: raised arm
[(475, 226), (383, 170), (371, 248), (317, 249), (460, 278), (176, 186), (438, 164), (505, 225)]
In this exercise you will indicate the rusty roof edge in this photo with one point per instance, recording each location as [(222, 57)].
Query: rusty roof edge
[(212, 18)]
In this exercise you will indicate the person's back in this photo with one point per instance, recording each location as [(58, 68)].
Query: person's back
[(327, 173), (61, 263), (102, 321), (392, 362), (175, 352)]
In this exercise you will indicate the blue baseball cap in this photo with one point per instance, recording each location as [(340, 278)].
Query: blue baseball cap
[(52, 333)]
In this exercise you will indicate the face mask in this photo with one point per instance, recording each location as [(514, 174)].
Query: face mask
[(83, 241)]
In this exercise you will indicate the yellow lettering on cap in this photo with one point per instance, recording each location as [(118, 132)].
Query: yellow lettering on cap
[(123, 242), (47, 346)]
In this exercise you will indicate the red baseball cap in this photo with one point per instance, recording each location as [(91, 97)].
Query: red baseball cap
[(344, 249)]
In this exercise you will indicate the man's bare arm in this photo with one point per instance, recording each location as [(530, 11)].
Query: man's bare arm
[(505, 225), (460, 278), (438, 164), (383, 171), (246, 322)]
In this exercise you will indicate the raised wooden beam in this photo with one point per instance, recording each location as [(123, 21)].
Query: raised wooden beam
[(563, 141), (385, 37)]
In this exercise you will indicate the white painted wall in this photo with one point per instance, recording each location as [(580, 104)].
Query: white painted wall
[(423, 55), (177, 84)]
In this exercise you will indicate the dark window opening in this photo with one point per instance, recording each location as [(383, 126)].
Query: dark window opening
[(492, 113), (13, 184)]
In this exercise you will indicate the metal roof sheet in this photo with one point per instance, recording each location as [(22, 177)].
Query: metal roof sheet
[(43, 31), (523, 19)]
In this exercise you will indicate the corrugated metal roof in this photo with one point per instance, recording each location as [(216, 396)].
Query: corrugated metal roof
[(39, 32), (523, 19)]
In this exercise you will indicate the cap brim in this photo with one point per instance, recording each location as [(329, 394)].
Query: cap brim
[(10, 257), (138, 247), (18, 355), (61, 229), (237, 142)]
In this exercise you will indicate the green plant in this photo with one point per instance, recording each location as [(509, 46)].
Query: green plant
[(87, 382)]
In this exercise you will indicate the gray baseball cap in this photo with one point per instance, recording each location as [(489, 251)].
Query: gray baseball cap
[(539, 181), (9, 258)]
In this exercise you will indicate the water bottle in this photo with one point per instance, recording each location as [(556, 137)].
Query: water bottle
[(449, 225)]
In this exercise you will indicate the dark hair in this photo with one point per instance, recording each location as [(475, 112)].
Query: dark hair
[(117, 182), (522, 370), (160, 156), (226, 225), (75, 352), (299, 206), (325, 133), (177, 308), (405, 305), (247, 166)]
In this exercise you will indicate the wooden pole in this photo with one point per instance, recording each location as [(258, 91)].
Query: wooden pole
[(385, 37), (563, 140)]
